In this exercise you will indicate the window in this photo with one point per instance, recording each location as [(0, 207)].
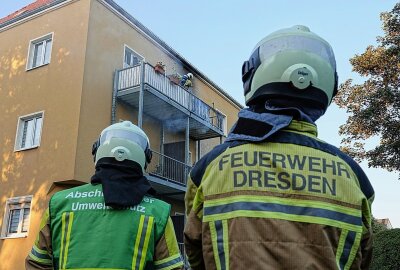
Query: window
[(16, 217), (179, 223), (131, 58), (222, 122), (29, 131), (40, 51)]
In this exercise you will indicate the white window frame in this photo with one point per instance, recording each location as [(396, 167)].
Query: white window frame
[(225, 127), (12, 204), (20, 130), (125, 65), (31, 51)]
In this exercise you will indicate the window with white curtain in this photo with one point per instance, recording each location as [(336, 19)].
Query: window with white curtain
[(29, 131), (40, 51), (222, 122), (131, 58), (16, 218)]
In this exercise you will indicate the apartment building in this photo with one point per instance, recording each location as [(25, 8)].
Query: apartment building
[(385, 222), (69, 68)]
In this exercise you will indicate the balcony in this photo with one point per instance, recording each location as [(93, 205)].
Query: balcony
[(169, 169), (168, 176), (167, 102)]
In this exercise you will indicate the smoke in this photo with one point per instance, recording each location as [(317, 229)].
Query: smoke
[(175, 125)]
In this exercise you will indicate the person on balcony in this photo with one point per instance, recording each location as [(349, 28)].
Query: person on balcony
[(274, 196), (186, 80), (113, 222)]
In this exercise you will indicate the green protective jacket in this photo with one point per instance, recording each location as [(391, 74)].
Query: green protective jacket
[(79, 232), (289, 202)]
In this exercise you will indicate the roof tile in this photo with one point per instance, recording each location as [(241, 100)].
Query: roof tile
[(27, 8)]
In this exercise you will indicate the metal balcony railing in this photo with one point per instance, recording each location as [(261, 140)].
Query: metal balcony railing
[(183, 254), (132, 77), (168, 168)]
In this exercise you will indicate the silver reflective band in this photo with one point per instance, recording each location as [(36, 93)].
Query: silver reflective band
[(124, 134), (298, 43)]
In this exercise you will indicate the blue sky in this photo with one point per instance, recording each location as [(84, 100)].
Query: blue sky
[(217, 36)]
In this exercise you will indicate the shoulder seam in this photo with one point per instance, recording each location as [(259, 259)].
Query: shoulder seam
[(199, 169)]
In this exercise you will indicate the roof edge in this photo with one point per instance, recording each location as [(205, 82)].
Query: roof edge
[(30, 13), (120, 10), (186, 63)]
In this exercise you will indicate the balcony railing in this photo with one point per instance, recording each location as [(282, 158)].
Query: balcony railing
[(132, 77), (183, 254), (168, 168)]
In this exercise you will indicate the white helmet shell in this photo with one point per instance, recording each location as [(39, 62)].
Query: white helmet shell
[(292, 63), (124, 141)]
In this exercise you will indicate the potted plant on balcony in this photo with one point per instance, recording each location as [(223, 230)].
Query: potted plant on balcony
[(159, 68)]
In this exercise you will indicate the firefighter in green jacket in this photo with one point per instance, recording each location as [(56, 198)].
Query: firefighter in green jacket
[(113, 222), (274, 196)]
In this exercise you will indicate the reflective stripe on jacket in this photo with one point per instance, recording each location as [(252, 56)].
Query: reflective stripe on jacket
[(86, 234), (291, 202)]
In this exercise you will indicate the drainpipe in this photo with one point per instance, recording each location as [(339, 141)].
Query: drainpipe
[(161, 161), (141, 93), (187, 161), (198, 154), (114, 97), (162, 136)]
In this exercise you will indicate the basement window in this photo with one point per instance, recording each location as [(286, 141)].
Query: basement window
[(16, 217), (29, 130), (40, 51)]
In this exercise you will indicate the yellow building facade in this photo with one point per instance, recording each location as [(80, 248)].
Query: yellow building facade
[(68, 69)]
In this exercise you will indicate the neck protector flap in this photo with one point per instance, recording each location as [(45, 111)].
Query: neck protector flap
[(123, 182)]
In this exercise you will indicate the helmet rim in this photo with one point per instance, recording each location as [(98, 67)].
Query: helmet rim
[(278, 58)]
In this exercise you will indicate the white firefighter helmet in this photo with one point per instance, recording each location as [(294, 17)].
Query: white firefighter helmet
[(123, 141), (291, 63)]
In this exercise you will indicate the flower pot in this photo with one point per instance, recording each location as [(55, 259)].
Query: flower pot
[(159, 69), (174, 79)]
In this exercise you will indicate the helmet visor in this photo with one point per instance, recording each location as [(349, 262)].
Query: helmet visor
[(124, 134), (297, 43)]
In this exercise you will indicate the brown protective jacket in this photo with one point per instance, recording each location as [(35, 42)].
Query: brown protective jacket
[(291, 202)]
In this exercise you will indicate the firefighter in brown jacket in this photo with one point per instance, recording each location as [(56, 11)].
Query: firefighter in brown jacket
[(273, 195)]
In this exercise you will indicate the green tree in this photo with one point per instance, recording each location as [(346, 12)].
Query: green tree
[(386, 250), (374, 106)]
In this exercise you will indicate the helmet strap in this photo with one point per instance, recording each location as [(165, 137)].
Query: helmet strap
[(249, 67), (95, 146)]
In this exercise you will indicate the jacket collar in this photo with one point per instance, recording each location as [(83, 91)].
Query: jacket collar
[(257, 127), (303, 127)]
